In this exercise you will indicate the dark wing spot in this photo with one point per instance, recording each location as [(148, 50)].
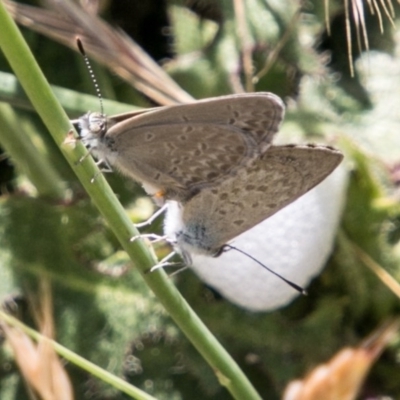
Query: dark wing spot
[(188, 129), (239, 222), (212, 175), (149, 136)]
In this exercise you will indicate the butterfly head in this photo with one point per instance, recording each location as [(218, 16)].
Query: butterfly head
[(93, 126)]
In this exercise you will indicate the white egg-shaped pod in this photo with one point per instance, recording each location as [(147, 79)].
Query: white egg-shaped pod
[(295, 242)]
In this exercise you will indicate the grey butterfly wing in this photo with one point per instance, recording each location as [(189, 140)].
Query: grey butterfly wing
[(180, 159), (257, 115), (183, 149), (277, 178)]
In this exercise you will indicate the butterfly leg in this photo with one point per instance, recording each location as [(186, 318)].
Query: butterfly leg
[(71, 139), (106, 169), (152, 218), (178, 271), (83, 158), (164, 262), (153, 237)]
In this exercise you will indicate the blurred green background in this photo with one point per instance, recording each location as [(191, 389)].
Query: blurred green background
[(102, 308)]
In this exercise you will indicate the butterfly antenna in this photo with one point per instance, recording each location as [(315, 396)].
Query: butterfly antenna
[(91, 73), (290, 283)]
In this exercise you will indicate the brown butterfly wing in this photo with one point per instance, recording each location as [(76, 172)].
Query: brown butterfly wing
[(181, 159), (277, 178), (255, 114), (182, 149)]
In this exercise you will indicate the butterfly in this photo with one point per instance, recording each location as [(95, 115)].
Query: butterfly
[(177, 151), (276, 178)]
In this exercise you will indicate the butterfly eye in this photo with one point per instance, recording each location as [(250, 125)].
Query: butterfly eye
[(97, 123)]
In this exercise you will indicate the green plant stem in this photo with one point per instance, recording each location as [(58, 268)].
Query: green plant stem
[(74, 358), (17, 142), (54, 117), (74, 103)]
